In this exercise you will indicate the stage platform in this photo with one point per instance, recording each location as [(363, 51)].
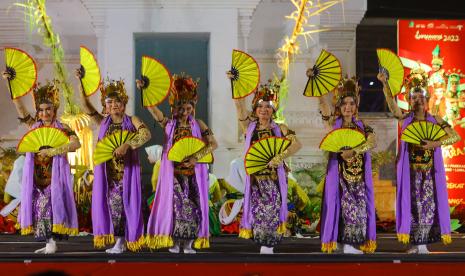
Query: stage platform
[(230, 255)]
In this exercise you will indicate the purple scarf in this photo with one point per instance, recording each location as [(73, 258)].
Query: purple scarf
[(63, 206), (101, 217), (246, 222), (332, 201), (160, 225), (403, 203)]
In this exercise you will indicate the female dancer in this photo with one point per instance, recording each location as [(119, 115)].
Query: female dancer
[(116, 193), (179, 215), (422, 209), (47, 201), (348, 211), (265, 196)]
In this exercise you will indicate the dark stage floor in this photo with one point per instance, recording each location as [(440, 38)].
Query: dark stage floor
[(228, 249)]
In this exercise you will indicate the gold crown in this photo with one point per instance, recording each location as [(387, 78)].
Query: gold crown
[(113, 88), (454, 74), (417, 80), (183, 90), (436, 58), (48, 93), (348, 87), (268, 92)]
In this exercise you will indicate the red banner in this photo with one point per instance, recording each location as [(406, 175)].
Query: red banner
[(438, 46)]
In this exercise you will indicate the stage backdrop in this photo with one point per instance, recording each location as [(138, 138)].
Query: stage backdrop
[(428, 42)]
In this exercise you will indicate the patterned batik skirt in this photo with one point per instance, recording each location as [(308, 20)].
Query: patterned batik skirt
[(186, 203), (353, 216), (42, 212), (115, 204), (265, 204), (425, 227)]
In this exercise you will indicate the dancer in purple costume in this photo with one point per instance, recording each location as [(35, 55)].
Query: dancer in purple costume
[(348, 208), (179, 215), (47, 201), (265, 196), (422, 209), (116, 193)]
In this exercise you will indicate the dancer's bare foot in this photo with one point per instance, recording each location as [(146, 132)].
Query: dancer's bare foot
[(175, 248), (50, 248), (266, 250), (188, 247), (418, 249), (349, 249), (118, 248)]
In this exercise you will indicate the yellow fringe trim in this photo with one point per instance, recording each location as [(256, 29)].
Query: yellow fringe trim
[(403, 238), (27, 231), (202, 243), (136, 245), (282, 228), (61, 229), (157, 242), (101, 241), (446, 239), (245, 233), (369, 246), (17, 226), (328, 247)]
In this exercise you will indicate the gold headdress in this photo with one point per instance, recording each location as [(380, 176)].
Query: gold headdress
[(454, 75), (436, 58), (48, 93), (113, 88), (348, 87), (416, 81), (268, 92), (453, 78), (183, 90)]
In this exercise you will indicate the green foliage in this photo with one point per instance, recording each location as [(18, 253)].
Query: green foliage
[(38, 19), (283, 94)]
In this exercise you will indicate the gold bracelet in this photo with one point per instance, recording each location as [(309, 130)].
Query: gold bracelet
[(58, 151), (202, 152), (451, 140), (278, 159), (142, 136), (291, 137)]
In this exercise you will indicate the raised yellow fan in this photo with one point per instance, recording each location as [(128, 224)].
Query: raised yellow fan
[(417, 132), (326, 75), (23, 72), (342, 139), (157, 81), (90, 72), (187, 146), (261, 152), (105, 147), (390, 64), (42, 137), (246, 74)]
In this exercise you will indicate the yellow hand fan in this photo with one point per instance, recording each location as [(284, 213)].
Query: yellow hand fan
[(419, 131), (42, 137), (390, 64), (187, 146), (23, 72), (327, 73), (157, 81), (246, 74), (342, 139), (261, 152), (90, 72), (105, 147)]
